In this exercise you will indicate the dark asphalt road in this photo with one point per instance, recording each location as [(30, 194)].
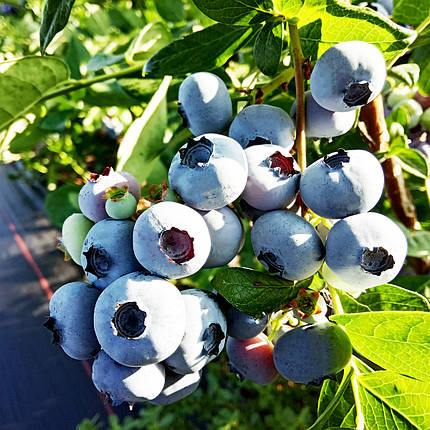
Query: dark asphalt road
[(40, 387)]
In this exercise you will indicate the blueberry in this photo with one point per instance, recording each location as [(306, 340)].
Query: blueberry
[(226, 232), (249, 211), (252, 359), (74, 231), (204, 103), (321, 122), (273, 177), (209, 172), (205, 333), (107, 252), (308, 354), (177, 387), (71, 311), (139, 319), (366, 249), (259, 124), (332, 279), (342, 184), (287, 245), (348, 75), (127, 384), (171, 240)]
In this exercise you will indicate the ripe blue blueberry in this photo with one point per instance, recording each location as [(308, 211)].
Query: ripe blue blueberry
[(204, 103), (348, 75), (226, 232), (273, 177), (308, 354), (209, 172), (71, 311), (171, 240), (243, 326), (127, 384), (321, 122), (139, 319), (257, 124), (205, 333), (342, 184), (287, 245), (107, 252), (366, 249)]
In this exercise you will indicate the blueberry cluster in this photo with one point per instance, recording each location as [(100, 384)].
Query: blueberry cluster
[(150, 340)]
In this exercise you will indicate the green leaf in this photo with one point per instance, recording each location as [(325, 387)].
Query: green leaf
[(412, 161), (406, 73), (150, 40), (24, 83), (140, 89), (109, 93), (398, 341), (421, 56), (384, 298), (255, 292), (143, 141), (418, 243), (268, 47), (56, 120), (101, 60), (76, 54), (418, 283), (393, 401), (203, 50), (27, 140), (239, 12), (62, 203), (289, 8), (171, 10), (411, 12), (55, 16)]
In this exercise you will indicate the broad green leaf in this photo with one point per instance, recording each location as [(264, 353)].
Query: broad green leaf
[(412, 161), (101, 60), (140, 89), (203, 50), (56, 120), (143, 141), (109, 93), (406, 73), (255, 292), (411, 12), (171, 10), (288, 8), (239, 12), (27, 140), (24, 83), (421, 56), (150, 40), (398, 341), (62, 203), (394, 401), (76, 54), (55, 16), (384, 298), (268, 47), (418, 283)]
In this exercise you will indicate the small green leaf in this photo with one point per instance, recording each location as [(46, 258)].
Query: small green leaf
[(398, 341), (140, 89), (255, 292), (56, 120), (62, 203), (101, 60), (418, 243), (171, 10), (109, 93), (406, 73), (422, 57), (412, 161), (27, 140), (24, 82), (393, 401), (289, 8), (55, 16), (411, 12), (268, 47), (143, 141), (203, 50), (76, 54)]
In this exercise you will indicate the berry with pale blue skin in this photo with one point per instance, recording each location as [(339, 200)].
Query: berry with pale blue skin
[(311, 353), (71, 311), (226, 232), (366, 250), (205, 333), (140, 319), (171, 240), (287, 245), (209, 172), (252, 359), (348, 76), (127, 384), (321, 122), (204, 103), (177, 387), (263, 124), (107, 252), (273, 177), (74, 231), (342, 183), (120, 204)]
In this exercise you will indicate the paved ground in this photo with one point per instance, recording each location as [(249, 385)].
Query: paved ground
[(40, 387)]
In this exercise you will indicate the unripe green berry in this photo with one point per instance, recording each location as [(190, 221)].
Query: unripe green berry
[(425, 119), (122, 208)]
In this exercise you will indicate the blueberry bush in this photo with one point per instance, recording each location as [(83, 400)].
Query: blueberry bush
[(271, 159)]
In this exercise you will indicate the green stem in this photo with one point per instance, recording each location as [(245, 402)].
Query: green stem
[(322, 419), (298, 59)]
